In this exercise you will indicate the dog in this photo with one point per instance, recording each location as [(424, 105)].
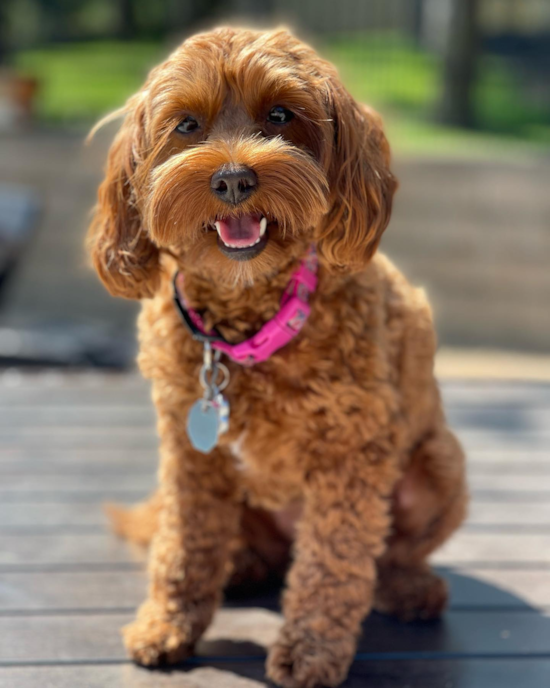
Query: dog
[(245, 178)]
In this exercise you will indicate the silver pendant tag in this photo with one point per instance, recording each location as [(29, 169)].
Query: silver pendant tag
[(203, 426), (209, 417)]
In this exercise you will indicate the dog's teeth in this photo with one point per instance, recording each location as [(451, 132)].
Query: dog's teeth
[(263, 226), (217, 224), (234, 246)]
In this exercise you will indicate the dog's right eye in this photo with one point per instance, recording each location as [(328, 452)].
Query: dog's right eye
[(279, 115), (187, 125)]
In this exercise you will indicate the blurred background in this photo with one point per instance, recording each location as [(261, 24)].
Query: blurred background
[(463, 86)]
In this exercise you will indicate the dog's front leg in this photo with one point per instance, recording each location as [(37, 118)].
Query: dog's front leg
[(190, 552), (330, 586)]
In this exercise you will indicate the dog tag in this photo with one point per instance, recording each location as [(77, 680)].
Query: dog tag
[(222, 406), (209, 417), (203, 426)]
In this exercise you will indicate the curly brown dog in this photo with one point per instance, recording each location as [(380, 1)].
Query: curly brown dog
[(337, 447)]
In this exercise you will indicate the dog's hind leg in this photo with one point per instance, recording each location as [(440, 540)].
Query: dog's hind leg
[(430, 503), (261, 555)]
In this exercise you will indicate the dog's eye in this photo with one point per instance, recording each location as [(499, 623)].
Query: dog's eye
[(279, 115), (187, 125)]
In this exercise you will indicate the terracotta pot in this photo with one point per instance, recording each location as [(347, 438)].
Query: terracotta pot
[(23, 93)]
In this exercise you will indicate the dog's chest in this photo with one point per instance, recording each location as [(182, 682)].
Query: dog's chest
[(267, 463), (238, 455)]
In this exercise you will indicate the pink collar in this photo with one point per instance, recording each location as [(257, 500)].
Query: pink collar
[(277, 332)]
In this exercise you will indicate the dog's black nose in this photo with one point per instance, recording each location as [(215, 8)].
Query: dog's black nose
[(234, 183)]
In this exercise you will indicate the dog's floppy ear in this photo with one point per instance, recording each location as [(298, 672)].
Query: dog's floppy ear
[(361, 184), (123, 255)]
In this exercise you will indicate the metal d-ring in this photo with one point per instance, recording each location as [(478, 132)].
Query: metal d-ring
[(212, 383)]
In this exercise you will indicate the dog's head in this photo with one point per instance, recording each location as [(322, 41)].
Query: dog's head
[(239, 150)]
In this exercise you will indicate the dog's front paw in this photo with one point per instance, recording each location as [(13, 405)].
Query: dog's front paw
[(302, 658), (154, 638)]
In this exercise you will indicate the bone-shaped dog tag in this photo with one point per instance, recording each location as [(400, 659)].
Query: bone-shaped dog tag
[(203, 426), (222, 407)]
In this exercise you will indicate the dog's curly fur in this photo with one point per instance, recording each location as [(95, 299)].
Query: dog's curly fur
[(338, 443)]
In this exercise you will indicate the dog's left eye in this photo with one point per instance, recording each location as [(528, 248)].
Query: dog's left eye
[(280, 115), (187, 125)]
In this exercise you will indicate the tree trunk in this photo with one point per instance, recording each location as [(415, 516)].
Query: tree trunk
[(416, 20), (460, 65), (3, 33), (186, 16), (127, 19)]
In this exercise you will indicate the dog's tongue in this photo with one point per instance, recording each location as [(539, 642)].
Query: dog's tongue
[(239, 231)]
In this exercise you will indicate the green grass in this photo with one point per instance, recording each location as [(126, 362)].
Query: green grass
[(385, 69), (404, 83), (82, 82)]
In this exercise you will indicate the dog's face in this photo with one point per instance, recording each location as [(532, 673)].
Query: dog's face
[(239, 150)]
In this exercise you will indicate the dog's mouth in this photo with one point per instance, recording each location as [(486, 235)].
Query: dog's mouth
[(243, 237)]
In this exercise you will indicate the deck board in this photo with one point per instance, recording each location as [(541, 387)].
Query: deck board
[(86, 637), (81, 548), (66, 511), (469, 673), (68, 442), (90, 479), (56, 591)]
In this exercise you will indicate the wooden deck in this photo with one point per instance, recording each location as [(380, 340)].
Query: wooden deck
[(70, 442)]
